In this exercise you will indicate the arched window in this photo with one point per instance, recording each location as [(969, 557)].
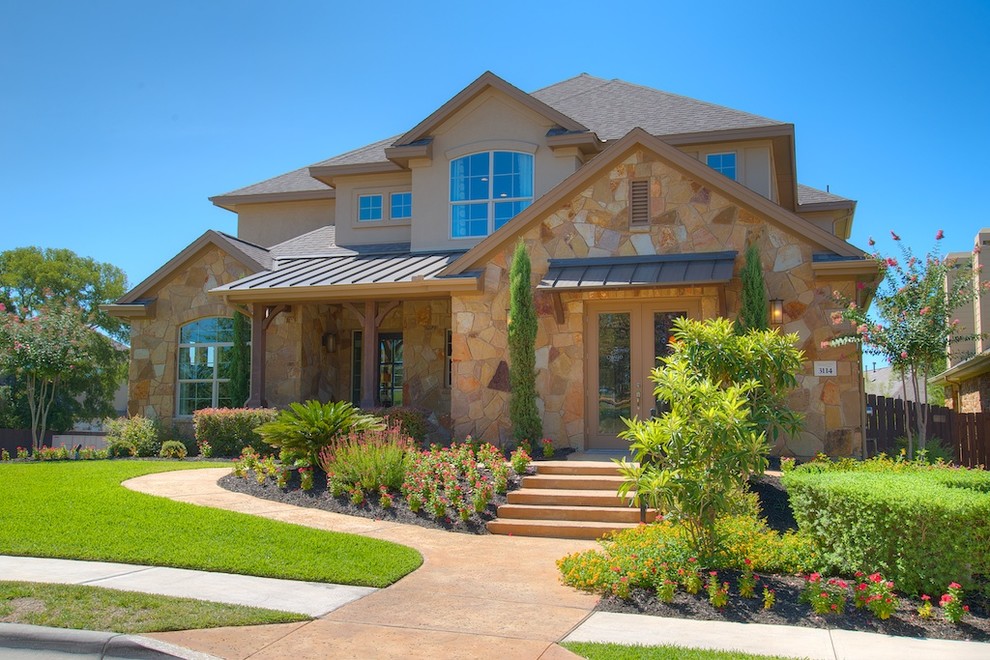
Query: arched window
[(487, 190), (204, 364)]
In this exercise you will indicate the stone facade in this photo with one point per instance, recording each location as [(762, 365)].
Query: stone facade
[(974, 394), (687, 216)]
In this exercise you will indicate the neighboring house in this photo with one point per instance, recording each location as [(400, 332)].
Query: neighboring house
[(887, 382), (380, 276), (967, 380)]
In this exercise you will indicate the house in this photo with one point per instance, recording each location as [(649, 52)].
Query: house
[(966, 381), (381, 275)]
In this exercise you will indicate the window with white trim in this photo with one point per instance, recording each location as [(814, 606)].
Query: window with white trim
[(487, 190), (369, 208), (205, 351), (723, 163), (400, 206)]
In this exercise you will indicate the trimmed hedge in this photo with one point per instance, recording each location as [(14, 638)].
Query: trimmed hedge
[(922, 527), (229, 430)]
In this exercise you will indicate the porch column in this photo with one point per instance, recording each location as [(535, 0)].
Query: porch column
[(369, 357), (258, 326)]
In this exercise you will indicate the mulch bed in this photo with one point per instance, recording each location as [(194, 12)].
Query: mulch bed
[(320, 498), (789, 610)]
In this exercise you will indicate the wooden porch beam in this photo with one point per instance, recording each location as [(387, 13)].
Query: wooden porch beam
[(369, 357), (258, 327)]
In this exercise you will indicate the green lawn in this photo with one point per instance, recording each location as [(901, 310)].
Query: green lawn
[(96, 608), (79, 510), (597, 651)]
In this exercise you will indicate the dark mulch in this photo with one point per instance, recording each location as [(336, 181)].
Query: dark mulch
[(320, 498), (789, 610)]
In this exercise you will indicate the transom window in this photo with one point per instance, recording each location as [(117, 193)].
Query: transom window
[(369, 208), (204, 364), (723, 164), (487, 190), (401, 206)]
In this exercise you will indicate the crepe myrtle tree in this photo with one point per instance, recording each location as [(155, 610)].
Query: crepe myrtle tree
[(43, 350), (912, 322)]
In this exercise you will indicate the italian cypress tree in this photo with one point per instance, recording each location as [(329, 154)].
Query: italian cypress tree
[(753, 314), (240, 362), (526, 422)]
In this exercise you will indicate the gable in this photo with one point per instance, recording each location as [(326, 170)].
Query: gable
[(693, 209)]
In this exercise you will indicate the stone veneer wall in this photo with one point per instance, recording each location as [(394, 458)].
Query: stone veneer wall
[(154, 341), (686, 217), (974, 394)]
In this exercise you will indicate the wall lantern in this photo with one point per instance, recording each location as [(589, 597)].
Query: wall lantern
[(776, 312), (330, 341)]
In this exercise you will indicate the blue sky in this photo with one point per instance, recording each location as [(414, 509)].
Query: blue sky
[(118, 119)]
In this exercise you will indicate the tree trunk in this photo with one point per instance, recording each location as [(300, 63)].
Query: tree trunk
[(907, 415), (921, 412)]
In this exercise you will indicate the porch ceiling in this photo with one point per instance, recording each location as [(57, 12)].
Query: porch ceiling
[(647, 270)]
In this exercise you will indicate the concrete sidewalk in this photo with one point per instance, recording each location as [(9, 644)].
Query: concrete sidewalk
[(310, 598), (788, 641)]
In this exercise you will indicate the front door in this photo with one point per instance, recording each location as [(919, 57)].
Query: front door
[(625, 340), (388, 391)]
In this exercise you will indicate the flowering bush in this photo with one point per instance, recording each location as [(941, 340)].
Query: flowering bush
[(876, 595), (460, 478), (952, 604), (4, 455), (825, 597), (718, 594), (747, 580), (205, 448), (925, 609), (547, 447), (137, 432), (373, 458), (520, 460), (226, 431), (385, 499), (22, 453), (306, 478), (769, 598)]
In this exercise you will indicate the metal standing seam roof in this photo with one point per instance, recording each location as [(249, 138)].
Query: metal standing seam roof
[(647, 270), (346, 270)]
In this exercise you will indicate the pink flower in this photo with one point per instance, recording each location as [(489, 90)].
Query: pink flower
[(894, 236), (924, 310), (860, 285), (852, 305), (862, 329), (872, 242), (939, 235), (926, 597), (825, 344), (891, 262), (976, 249), (955, 321), (3, 308), (903, 355), (955, 585)]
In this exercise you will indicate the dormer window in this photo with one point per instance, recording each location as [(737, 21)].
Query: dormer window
[(487, 190), (369, 208), (723, 163)]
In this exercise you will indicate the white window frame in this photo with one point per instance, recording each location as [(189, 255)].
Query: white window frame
[(404, 218), (491, 200), (215, 380), (381, 207), (736, 158)]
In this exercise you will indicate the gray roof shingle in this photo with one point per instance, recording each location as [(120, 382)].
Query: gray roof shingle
[(318, 242), (294, 181), (809, 195), (262, 255)]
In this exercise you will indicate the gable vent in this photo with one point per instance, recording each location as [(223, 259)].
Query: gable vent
[(639, 202)]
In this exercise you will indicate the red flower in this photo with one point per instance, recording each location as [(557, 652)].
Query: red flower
[(939, 235), (955, 585), (926, 597)]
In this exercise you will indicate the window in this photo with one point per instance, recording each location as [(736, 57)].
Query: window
[(723, 164), (369, 208), (448, 352), (487, 190), (204, 364), (390, 369), (401, 204)]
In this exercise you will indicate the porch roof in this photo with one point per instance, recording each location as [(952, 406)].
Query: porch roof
[(350, 274), (646, 270)]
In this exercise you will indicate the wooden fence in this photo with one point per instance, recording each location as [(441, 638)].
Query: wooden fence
[(11, 439), (967, 435)]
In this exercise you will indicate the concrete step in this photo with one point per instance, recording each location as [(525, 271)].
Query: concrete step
[(605, 514), (561, 497), (573, 482), (560, 529), (605, 468)]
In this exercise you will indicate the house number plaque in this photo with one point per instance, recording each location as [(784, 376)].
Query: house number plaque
[(825, 368)]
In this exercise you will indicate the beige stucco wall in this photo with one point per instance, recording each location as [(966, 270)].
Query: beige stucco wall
[(349, 188), (687, 217), (274, 222)]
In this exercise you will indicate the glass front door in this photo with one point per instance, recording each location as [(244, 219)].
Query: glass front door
[(625, 342), (390, 369)]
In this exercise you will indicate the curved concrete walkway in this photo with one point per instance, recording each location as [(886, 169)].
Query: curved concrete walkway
[(474, 597)]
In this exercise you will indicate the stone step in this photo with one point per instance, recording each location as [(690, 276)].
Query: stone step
[(561, 497), (573, 482), (561, 529), (605, 514), (604, 468)]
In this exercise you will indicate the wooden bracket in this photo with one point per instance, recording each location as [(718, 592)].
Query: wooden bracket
[(383, 312), (273, 311), (558, 307)]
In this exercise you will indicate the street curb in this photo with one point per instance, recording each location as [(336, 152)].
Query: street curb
[(90, 643)]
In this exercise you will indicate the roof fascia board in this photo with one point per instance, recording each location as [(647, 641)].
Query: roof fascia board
[(142, 309), (866, 267), (485, 81), (337, 292), (402, 155), (230, 202), (676, 158), (729, 135), (211, 237), (588, 143), (326, 173), (845, 205), (974, 366)]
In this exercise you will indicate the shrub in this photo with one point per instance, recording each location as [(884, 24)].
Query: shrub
[(519, 460), (229, 430), (121, 449), (302, 431), (375, 459), (459, 477), (411, 422), (137, 433), (920, 526), (172, 449)]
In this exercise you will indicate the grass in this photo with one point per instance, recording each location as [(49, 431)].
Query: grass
[(598, 651), (112, 610), (79, 510)]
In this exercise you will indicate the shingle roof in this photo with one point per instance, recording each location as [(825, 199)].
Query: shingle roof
[(612, 108), (321, 241), (372, 153), (809, 195), (294, 181), (262, 255)]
